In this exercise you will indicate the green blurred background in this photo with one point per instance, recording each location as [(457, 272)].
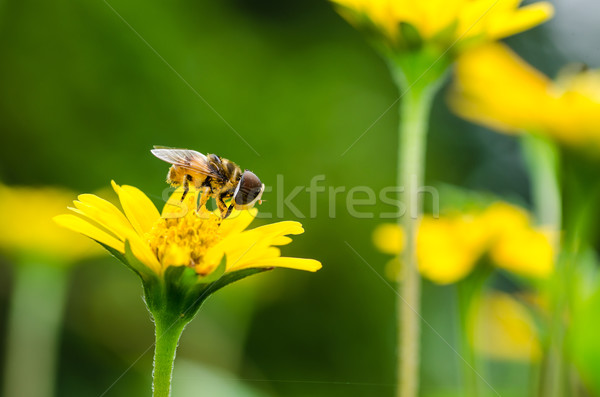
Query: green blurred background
[(82, 100)]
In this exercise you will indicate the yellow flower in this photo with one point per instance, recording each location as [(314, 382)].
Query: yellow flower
[(389, 239), (28, 231), (502, 328), (181, 237), (449, 247), (496, 88), (444, 22)]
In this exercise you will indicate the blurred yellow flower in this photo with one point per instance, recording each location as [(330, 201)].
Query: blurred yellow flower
[(496, 88), (447, 23), (181, 237), (389, 238), (504, 329), (28, 231), (449, 247)]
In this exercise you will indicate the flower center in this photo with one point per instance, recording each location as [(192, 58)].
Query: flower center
[(184, 241)]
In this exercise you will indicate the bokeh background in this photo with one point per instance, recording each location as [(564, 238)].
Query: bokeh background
[(88, 87)]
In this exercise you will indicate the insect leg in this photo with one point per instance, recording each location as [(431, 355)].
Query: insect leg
[(229, 209), (222, 207), (186, 186), (203, 197)]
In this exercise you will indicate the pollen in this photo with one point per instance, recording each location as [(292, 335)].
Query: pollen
[(184, 241)]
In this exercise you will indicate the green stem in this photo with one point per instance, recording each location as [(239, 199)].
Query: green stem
[(168, 331), (414, 114), (468, 358), (543, 160), (469, 299), (35, 319)]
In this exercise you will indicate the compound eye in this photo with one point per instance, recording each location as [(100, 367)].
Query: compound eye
[(248, 191)]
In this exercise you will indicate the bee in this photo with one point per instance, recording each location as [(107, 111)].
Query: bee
[(214, 176)]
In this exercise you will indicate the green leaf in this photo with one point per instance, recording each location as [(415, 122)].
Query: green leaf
[(584, 342)]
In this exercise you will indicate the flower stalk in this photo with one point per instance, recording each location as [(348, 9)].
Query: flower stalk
[(168, 329), (543, 161), (415, 108), (469, 293), (542, 156)]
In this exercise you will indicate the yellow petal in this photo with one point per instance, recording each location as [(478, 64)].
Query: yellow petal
[(284, 227), (252, 245), (282, 240), (446, 250), (496, 88), (143, 253), (525, 251), (504, 329), (237, 222), (237, 245), (309, 265), (103, 205), (140, 211), (82, 226), (118, 225), (522, 19), (389, 238)]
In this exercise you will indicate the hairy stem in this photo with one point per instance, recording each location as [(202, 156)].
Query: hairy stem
[(414, 114), (168, 332)]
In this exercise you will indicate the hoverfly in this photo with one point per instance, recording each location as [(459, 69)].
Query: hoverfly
[(214, 176)]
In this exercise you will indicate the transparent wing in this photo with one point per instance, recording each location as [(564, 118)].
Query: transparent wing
[(184, 158)]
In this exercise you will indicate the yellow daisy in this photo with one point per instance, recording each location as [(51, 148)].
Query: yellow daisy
[(28, 232), (449, 247), (445, 22), (181, 255), (498, 89), (181, 237)]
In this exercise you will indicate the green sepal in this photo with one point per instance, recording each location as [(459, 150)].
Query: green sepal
[(115, 253), (421, 71), (215, 274), (134, 263), (409, 36), (446, 36), (235, 276), (180, 292), (468, 43), (129, 260)]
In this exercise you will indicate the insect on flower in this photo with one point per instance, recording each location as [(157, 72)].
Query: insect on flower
[(214, 176)]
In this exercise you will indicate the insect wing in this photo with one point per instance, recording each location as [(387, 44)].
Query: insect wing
[(184, 158)]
